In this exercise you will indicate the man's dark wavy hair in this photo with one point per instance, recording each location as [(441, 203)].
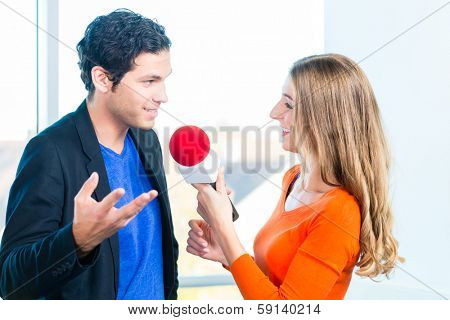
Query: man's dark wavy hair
[(113, 42)]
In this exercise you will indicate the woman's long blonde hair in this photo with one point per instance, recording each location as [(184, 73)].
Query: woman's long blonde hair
[(337, 119)]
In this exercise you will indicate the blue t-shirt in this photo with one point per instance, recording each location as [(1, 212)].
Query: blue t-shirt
[(140, 242)]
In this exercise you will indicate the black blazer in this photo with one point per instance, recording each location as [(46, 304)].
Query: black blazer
[(37, 254)]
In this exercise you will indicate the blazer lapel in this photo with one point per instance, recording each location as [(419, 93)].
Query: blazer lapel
[(91, 148), (150, 155), (148, 152)]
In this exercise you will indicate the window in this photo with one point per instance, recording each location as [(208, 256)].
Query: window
[(230, 60), (18, 120)]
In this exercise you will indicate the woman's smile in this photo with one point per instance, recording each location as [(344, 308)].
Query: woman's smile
[(285, 131)]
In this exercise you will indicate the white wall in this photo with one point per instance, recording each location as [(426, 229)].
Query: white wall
[(411, 79), (233, 54)]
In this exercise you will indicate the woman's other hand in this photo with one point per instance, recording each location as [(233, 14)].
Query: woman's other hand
[(203, 243)]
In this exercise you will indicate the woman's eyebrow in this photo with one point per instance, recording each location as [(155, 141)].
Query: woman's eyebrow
[(288, 96)]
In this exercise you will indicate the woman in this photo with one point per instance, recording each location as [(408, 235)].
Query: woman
[(334, 211)]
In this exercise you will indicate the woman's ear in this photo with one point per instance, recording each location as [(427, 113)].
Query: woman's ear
[(100, 79)]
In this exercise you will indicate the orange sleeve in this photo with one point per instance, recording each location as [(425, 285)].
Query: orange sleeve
[(228, 267), (316, 266)]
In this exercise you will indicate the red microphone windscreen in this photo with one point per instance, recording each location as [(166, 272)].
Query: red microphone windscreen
[(189, 145)]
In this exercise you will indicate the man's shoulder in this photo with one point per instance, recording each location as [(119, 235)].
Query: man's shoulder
[(61, 128), (60, 134)]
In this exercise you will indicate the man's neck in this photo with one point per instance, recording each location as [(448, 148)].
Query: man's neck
[(110, 131)]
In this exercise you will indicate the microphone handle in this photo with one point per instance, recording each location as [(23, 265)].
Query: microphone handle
[(235, 213)]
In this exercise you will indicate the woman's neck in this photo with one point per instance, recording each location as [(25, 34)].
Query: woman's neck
[(313, 181)]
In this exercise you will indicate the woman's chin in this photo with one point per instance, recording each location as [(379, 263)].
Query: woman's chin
[(286, 147), (286, 144)]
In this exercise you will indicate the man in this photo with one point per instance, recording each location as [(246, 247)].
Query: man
[(67, 235)]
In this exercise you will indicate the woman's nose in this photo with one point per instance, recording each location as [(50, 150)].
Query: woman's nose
[(277, 112)]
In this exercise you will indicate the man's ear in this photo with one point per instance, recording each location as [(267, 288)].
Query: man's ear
[(100, 79)]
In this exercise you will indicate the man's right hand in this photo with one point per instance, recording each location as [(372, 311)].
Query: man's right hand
[(95, 221)]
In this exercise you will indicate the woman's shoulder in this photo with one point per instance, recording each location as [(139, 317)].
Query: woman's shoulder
[(344, 201), (341, 210), (339, 205)]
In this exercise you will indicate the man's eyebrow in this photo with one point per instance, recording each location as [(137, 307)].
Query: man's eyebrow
[(151, 76), (288, 96), (154, 76)]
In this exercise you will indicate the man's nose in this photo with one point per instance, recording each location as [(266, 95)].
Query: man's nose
[(161, 97)]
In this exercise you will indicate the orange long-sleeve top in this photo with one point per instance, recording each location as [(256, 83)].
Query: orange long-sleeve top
[(308, 253)]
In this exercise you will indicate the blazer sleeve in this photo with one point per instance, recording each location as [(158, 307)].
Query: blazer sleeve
[(38, 254)]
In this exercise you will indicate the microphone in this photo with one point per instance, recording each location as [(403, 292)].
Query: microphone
[(190, 148)]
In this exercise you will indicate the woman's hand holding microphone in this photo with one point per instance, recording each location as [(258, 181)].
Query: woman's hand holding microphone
[(214, 237)]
